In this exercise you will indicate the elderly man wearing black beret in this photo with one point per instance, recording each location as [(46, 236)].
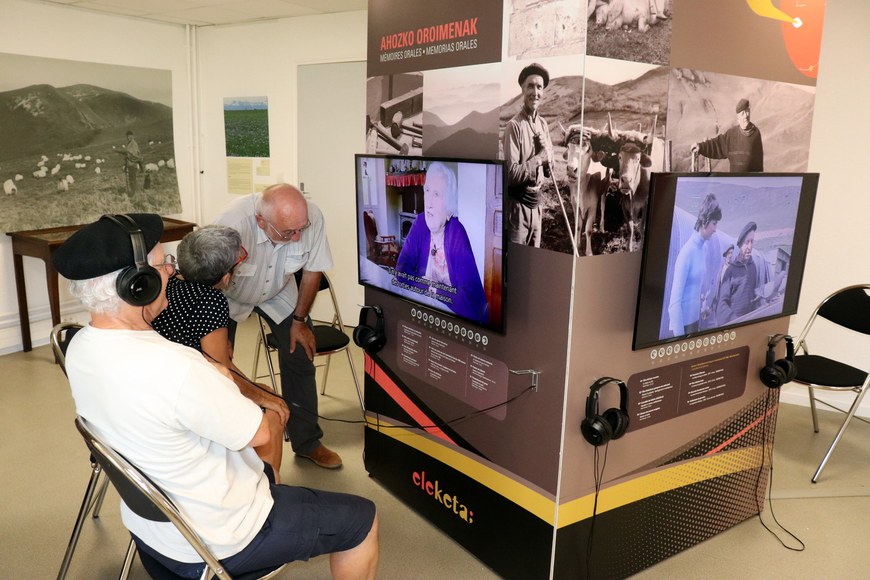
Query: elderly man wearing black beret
[(737, 291), (741, 144), (186, 425), (528, 153)]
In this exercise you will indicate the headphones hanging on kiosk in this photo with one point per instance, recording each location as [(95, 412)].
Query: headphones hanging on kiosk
[(370, 339), (140, 284), (597, 428), (776, 373)]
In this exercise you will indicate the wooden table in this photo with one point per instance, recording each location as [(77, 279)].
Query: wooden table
[(42, 244)]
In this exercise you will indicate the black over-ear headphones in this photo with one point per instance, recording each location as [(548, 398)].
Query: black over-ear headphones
[(776, 373), (140, 284), (370, 339), (597, 428)]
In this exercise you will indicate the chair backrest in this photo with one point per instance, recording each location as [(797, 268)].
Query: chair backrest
[(370, 225), (371, 230), (60, 337), (325, 284), (142, 496), (848, 307)]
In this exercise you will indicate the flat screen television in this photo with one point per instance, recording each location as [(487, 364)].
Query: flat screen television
[(721, 250), (430, 230)]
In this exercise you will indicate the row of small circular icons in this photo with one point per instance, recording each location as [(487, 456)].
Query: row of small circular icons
[(450, 326), (705, 342)]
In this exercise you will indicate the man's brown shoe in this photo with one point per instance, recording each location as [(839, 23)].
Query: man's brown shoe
[(323, 457)]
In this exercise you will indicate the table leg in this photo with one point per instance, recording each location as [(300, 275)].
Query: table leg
[(21, 290), (53, 298)]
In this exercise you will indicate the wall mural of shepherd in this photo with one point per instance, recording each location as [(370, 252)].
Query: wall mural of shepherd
[(82, 139)]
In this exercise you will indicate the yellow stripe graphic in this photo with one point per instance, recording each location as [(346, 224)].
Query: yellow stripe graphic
[(531, 500), (610, 498), (667, 479)]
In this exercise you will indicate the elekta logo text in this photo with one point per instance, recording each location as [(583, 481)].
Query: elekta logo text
[(434, 490)]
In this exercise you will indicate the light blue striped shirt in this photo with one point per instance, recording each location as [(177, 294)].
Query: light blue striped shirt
[(265, 278)]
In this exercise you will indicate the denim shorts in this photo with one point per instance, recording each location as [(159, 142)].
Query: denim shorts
[(302, 524)]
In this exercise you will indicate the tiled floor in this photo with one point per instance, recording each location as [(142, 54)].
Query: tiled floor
[(45, 470)]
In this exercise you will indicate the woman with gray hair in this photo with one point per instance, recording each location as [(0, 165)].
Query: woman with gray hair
[(198, 315), (436, 257)]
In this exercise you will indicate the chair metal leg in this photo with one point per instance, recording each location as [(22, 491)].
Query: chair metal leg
[(262, 340), (855, 404), (101, 495), (128, 560), (77, 528), (325, 374), (271, 367), (256, 357), (359, 394), (813, 409)]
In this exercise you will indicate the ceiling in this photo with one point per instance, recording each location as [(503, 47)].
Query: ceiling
[(213, 12)]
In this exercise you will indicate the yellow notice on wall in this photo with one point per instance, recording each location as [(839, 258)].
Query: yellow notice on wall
[(247, 174), (240, 175), (263, 168), (262, 174)]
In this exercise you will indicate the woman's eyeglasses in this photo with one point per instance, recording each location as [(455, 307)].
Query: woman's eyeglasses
[(242, 258), (169, 263)]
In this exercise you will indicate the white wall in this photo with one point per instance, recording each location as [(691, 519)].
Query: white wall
[(36, 29), (839, 243), (332, 99), (263, 60)]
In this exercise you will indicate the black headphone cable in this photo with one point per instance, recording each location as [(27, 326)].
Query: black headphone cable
[(765, 421)]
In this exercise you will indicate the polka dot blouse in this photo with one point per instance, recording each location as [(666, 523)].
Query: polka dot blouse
[(194, 311)]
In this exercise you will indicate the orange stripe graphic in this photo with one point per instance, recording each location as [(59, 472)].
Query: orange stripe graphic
[(393, 390)]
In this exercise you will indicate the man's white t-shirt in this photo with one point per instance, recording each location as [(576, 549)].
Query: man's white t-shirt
[(166, 409)]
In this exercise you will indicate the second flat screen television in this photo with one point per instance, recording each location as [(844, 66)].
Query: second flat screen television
[(430, 230), (721, 250)]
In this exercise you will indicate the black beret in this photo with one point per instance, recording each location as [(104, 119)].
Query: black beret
[(742, 105), (104, 247), (534, 69), (750, 227)]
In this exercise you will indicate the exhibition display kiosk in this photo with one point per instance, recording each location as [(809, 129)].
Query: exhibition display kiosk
[(592, 402)]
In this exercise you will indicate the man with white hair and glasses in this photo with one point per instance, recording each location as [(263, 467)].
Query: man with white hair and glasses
[(284, 234)]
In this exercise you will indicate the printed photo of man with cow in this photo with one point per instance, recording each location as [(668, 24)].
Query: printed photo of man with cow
[(578, 180)]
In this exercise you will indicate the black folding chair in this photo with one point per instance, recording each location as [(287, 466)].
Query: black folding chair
[(329, 337), (848, 312), (95, 493), (148, 501)]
